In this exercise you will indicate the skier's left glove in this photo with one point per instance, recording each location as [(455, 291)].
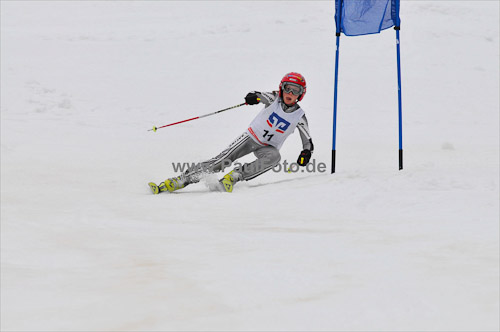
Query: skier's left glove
[(304, 157)]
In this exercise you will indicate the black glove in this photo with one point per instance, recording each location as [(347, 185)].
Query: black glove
[(252, 98), (304, 157)]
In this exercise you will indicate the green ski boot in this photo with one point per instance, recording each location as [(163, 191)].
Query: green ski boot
[(229, 180), (169, 185), (154, 188), (173, 184)]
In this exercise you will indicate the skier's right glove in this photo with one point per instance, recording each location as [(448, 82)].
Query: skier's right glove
[(252, 98)]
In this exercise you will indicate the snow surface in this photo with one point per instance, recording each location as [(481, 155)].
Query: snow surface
[(86, 247)]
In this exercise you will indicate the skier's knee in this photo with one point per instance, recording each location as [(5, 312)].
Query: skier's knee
[(225, 163), (274, 157)]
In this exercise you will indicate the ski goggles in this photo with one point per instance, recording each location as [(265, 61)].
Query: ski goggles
[(293, 88)]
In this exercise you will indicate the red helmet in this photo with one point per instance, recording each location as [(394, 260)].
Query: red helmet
[(294, 78)]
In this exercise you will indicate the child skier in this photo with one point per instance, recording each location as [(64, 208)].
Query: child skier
[(264, 137)]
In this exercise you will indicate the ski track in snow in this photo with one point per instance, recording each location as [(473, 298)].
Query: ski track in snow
[(85, 246)]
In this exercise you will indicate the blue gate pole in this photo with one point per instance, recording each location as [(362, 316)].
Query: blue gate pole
[(400, 112), (338, 15), (335, 103)]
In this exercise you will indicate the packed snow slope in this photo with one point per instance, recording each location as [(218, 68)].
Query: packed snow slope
[(86, 247)]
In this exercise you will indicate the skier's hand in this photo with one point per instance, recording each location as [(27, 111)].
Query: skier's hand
[(252, 98), (304, 157)]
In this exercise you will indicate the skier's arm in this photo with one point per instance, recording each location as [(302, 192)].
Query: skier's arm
[(305, 135), (307, 144)]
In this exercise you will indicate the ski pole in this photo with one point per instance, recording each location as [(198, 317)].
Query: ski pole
[(198, 117)]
